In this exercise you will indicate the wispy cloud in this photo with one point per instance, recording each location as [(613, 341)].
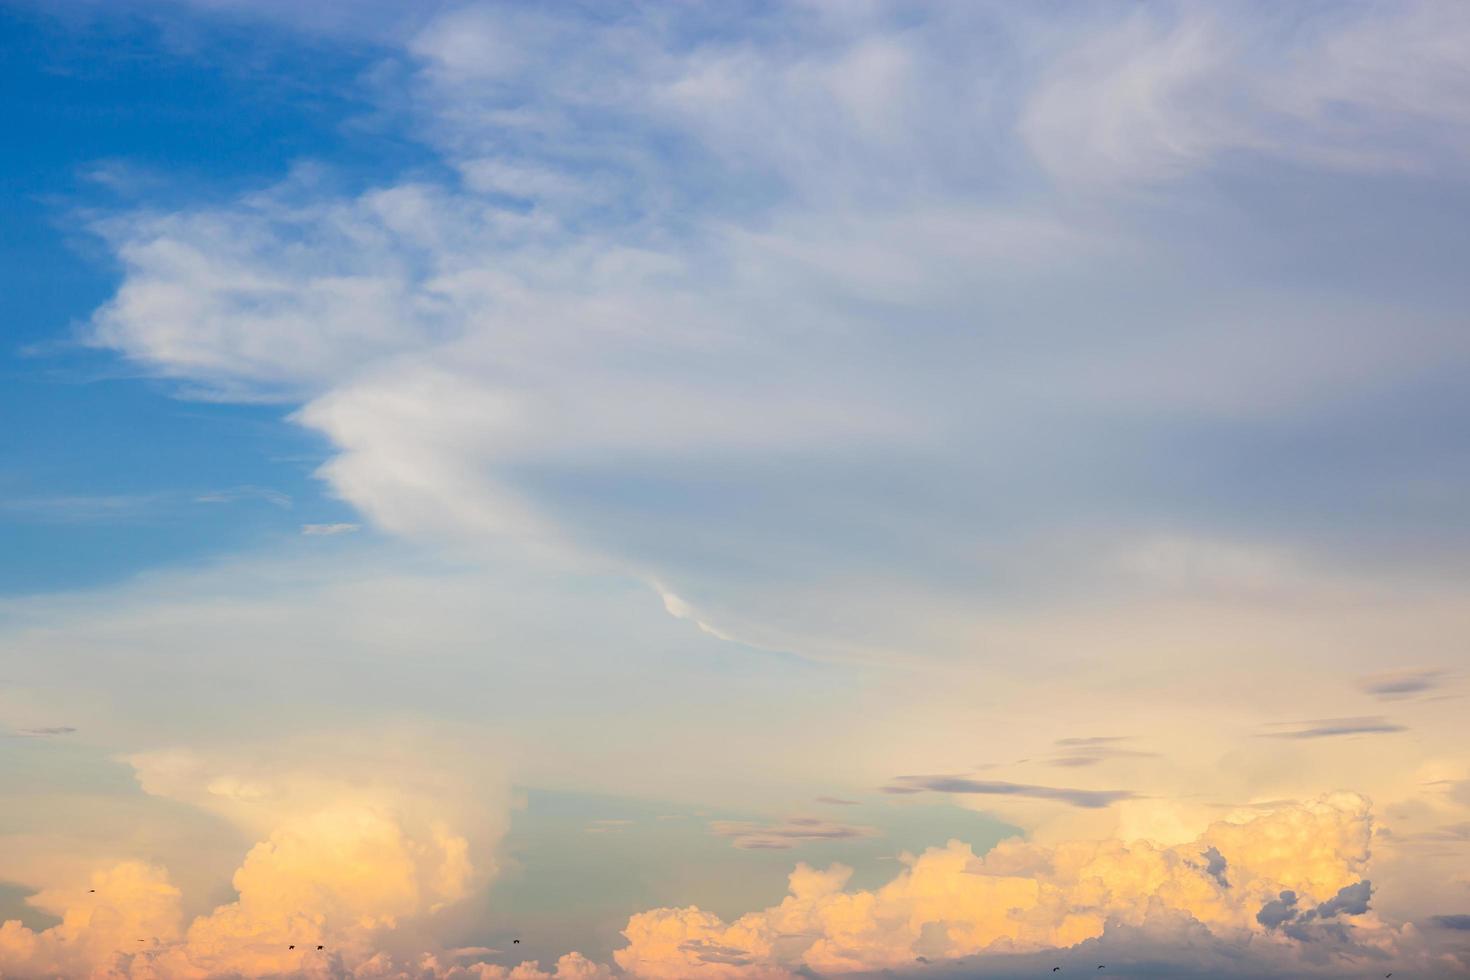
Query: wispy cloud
[(121, 508), (84, 508), (1333, 728), (836, 801), (46, 732), (1086, 798), (1395, 685), (232, 495), (787, 833), (1089, 751), (328, 530), (708, 952)]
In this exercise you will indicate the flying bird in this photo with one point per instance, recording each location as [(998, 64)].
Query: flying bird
[(321, 947), (515, 940), (292, 946)]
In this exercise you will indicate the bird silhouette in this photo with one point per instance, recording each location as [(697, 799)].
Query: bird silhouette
[(321, 947), (292, 946), (515, 940), (91, 891)]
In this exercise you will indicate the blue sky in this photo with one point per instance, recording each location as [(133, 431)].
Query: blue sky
[(103, 466), (435, 433)]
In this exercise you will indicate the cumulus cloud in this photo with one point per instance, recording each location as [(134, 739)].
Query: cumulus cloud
[(340, 878), (129, 902), (949, 903)]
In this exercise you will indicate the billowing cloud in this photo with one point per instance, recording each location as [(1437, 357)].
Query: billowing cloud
[(130, 909), (949, 903), (340, 878)]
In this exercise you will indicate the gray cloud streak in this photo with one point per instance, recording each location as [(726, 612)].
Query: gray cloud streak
[(1086, 798)]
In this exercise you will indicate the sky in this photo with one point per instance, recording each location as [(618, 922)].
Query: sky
[(734, 491)]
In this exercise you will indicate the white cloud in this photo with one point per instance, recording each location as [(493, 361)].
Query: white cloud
[(1173, 89), (329, 530)]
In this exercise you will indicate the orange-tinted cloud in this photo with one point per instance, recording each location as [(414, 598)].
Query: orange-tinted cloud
[(949, 903)]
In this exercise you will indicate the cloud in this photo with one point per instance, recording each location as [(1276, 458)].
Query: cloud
[(873, 388), (671, 311), (122, 508), (1165, 92), (1088, 798), (1089, 751), (1216, 866), (128, 902), (1460, 923), (949, 904), (248, 492), (1334, 727), (46, 731), (789, 833), (1397, 684), (328, 530), (1284, 910), (84, 509), (836, 801), (1279, 910), (343, 875)]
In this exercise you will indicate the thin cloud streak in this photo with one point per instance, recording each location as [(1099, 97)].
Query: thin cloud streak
[(1335, 728), (1084, 798)]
